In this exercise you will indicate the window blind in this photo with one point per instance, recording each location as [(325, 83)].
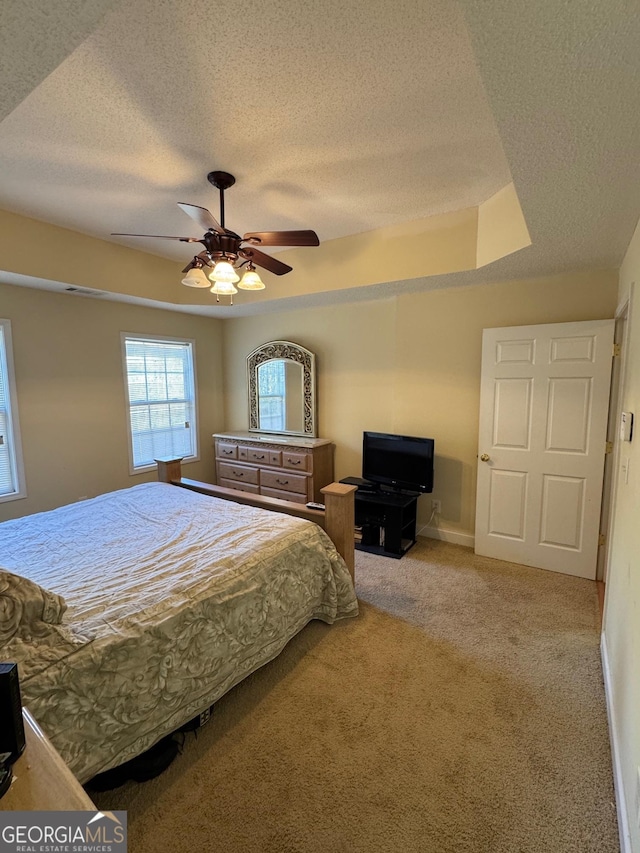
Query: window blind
[(161, 391)]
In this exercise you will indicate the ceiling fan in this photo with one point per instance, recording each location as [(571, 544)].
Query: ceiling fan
[(225, 251)]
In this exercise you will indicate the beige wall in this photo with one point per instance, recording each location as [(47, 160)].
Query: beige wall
[(68, 257), (71, 394), (448, 242), (411, 364), (407, 364), (293, 396), (622, 606)]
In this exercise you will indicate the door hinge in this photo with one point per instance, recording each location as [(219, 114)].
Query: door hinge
[(608, 447), (602, 539), (616, 350)]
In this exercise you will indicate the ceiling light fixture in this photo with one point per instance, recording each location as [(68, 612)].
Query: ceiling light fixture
[(251, 280), (195, 278), (223, 288), (226, 252), (224, 272)]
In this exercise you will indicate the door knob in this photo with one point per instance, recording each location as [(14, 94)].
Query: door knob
[(485, 457)]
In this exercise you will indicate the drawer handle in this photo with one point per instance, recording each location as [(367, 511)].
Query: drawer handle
[(238, 474), (294, 461), (255, 456), (282, 482), (228, 452)]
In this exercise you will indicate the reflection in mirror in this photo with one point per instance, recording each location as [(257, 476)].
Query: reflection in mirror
[(280, 403), (281, 379)]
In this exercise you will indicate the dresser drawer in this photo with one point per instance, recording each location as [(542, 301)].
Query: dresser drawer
[(239, 473), (242, 487), (257, 454), (275, 458), (283, 481), (295, 461), (284, 496), (226, 451)]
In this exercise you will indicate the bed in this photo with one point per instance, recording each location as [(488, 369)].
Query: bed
[(131, 613)]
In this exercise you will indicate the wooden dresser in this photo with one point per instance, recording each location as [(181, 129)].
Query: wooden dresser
[(289, 467)]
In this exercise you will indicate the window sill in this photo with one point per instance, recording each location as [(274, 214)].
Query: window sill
[(14, 496)]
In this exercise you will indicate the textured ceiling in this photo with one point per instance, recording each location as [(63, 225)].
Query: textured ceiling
[(35, 38), (339, 116)]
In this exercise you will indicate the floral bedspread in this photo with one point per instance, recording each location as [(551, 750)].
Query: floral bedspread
[(172, 599)]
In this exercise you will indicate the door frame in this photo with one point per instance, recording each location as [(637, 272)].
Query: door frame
[(610, 491)]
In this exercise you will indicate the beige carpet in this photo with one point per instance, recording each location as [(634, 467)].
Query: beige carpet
[(462, 711)]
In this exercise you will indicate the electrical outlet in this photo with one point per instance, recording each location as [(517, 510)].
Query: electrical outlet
[(436, 507)]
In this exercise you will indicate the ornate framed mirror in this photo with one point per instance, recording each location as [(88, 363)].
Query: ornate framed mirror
[(281, 378)]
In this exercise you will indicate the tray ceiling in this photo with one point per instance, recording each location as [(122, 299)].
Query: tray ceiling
[(344, 117)]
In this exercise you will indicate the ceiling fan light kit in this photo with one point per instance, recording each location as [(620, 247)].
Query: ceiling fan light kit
[(223, 271), (195, 278), (223, 288), (251, 280), (224, 250)]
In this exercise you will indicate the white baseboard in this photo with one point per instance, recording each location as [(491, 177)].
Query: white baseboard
[(448, 536), (618, 779)]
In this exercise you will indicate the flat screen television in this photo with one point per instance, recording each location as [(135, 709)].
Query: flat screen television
[(402, 462)]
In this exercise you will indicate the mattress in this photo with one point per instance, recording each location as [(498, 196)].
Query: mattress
[(172, 598)]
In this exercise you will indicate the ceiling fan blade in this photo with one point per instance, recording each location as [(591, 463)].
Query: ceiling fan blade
[(283, 238), (161, 237), (264, 260), (202, 216)]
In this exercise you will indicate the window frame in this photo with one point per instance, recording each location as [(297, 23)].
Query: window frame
[(265, 397), (160, 339), (15, 441)]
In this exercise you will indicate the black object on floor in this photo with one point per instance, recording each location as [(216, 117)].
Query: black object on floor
[(197, 722), (141, 768)]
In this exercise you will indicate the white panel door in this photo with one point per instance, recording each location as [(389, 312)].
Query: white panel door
[(543, 422)]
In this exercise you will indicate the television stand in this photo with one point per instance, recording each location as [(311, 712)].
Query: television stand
[(387, 519)]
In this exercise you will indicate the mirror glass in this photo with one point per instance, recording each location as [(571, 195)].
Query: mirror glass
[(281, 380)]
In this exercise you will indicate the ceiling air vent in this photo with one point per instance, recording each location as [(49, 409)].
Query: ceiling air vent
[(84, 291)]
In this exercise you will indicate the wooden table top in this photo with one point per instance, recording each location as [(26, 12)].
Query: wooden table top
[(41, 778)]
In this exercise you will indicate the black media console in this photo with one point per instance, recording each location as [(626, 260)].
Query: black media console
[(387, 518)]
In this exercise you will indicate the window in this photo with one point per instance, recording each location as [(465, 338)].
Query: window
[(271, 394), (162, 399), (11, 470)]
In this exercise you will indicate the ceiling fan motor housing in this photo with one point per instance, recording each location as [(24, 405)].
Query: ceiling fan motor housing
[(222, 244)]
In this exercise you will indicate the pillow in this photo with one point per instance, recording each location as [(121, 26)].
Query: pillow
[(24, 606)]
